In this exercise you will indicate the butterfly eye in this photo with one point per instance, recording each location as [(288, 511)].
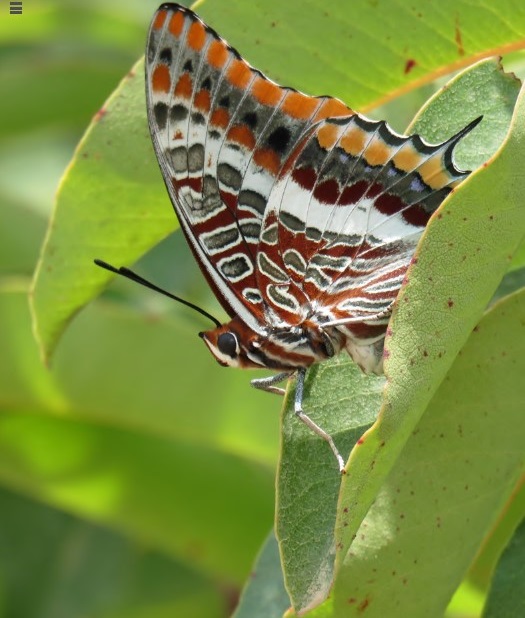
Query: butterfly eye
[(228, 344)]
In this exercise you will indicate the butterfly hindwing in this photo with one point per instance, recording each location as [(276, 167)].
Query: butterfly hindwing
[(348, 216)]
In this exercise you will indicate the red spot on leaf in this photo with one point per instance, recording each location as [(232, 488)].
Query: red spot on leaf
[(409, 65)]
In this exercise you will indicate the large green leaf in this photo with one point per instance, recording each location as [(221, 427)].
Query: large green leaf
[(446, 490), (95, 437), (112, 203), (105, 204), (75, 569), (506, 595), (456, 472), (366, 52), (345, 404), (475, 232), (308, 550), (178, 498)]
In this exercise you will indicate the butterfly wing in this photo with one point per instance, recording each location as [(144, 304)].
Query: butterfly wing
[(345, 221), (222, 133)]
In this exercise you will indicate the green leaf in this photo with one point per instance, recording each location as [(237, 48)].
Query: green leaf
[(482, 571), (372, 52), (75, 569), (484, 89), (418, 352), (107, 435), (110, 205), (144, 486), (506, 596), (476, 231), (457, 470), (264, 595), (345, 403)]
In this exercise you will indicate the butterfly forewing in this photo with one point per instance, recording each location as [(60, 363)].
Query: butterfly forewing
[(222, 132)]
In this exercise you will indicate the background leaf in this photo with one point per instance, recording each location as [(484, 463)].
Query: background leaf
[(88, 450), (74, 569), (506, 594), (265, 595), (371, 53)]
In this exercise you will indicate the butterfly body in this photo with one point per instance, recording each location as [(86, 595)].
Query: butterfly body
[(302, 214), (283, 349)]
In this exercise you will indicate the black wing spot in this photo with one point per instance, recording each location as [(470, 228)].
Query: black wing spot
[(206, 84), (250, 118), (224, 101), (165, 56), (197, 118), (279, 139), (188, 66), (178, 112), (160, 111)]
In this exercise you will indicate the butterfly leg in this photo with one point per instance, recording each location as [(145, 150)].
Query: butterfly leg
[(298, 408), (268, 384)]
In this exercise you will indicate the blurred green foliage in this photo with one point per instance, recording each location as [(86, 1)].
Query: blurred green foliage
[(137, 478)]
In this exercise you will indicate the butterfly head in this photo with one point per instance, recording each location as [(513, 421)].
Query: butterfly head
[(233, 345)]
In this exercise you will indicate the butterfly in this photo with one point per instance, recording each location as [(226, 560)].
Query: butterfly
[(302, 214)]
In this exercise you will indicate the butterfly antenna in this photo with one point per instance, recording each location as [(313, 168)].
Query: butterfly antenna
[(129, 274)]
